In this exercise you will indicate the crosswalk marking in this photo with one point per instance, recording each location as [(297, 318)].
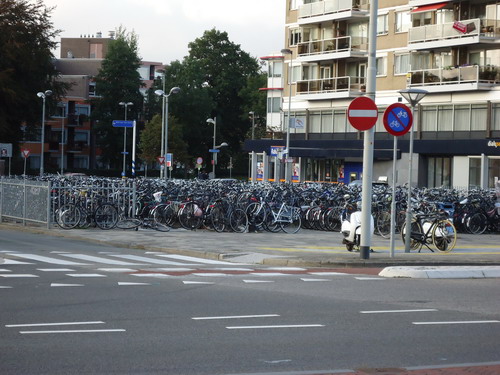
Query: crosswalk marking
[(17, 275), (11, 261), (64, 285), (85, 275), (131, 284), (91, 258), (150, 260), (41, 258), (4, 270), (193, 259), (55, 269)]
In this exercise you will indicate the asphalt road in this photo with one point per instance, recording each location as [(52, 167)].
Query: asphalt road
[(73, 307)]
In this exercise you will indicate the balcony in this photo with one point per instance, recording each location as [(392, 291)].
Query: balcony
[(454, 34), (331, 88), (320, 11), (463, 78), (336, 48)]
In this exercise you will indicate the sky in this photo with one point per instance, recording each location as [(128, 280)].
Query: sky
[(166, 27)]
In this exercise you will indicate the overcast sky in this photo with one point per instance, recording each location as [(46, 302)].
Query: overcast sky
[(165, 27)]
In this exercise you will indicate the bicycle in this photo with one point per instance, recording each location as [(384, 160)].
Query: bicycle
[(286, 217), (431, 229)]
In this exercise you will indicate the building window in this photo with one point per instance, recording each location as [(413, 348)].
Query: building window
[(439, 172), (273, 105), (315, 122), (382, 24), (326, 122), (461, 118), (478, 117), (445, 118), (494, 171), (474, 172), (275, 69), (403, 22), (495, 117), (381, 66), (402, 63), (295, 36)]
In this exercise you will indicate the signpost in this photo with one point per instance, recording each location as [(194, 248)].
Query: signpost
[(161, 160), (362, 113), (398, 120), (25, 152)]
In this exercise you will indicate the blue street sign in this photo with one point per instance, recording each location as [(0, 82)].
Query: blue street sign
[(398, 119), (214, 150), (123, 124)]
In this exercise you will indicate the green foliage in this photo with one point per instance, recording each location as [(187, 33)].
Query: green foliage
[(26, 41), (118, 81)]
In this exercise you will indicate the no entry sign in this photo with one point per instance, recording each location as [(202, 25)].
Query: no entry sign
[(398, 119), (362, 113)]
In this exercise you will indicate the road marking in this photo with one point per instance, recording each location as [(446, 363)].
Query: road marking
[(458, 322), (278, 326), (197, 282), (148, 260), (49, 260), (5, 287), (18, 275), (395, 311), (327, 273), (208, 274), (73, 331), (315, 279), (117, 269), (95, 259), (5, 270), (193, 259), (52, 324), (85, 275), (55, 269), (257, 281), (55, 285), (161, 275), (132, 284), (10, 261), (268, 274), (235, 317)]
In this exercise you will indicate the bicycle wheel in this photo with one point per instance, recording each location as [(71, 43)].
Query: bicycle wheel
[(295, 222), (190, 216), (332, 218), (416, 233), (238, 221), (68, 216), (106, 216), (477, 223), (256, 214), (383, 224), (444, 235), (159, 219), (218, 218)]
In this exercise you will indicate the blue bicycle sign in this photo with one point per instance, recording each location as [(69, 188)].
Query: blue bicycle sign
[(398, 119)]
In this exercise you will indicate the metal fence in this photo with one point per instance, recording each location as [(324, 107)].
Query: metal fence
[(29, 201), (25, 201)]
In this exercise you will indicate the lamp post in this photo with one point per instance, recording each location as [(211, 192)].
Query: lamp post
[(252, 113), (287, 51), (125, 105), (43, 95), (164, 144), (214, 122), (412, 96)]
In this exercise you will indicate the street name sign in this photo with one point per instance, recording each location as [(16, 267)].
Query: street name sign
[(123, 124), (214, 150), (362, 113)]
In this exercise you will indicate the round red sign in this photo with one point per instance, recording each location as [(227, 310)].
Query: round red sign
[(362, 113)]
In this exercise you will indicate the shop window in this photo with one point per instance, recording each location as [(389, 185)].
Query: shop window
[(474, 172), (494, 172), (439, 172)]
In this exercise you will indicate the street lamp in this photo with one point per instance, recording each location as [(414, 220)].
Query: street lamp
[(43, 95), (412, 96), (287, 51), (125, 105), (252, 113), (164, 144)]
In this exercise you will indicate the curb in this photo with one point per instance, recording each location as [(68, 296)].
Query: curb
[(442, 272)]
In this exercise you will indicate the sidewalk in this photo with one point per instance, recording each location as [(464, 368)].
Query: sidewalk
[(307, 248)]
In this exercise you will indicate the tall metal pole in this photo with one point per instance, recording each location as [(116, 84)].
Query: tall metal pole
[(62, 140), (162, 151), (369, 136), (393, 201), (287, 157), (124, 143), (43, 138), (410, 171), (213, 153), (166, 136)]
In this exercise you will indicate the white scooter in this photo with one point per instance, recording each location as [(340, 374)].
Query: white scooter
[(351, 226)]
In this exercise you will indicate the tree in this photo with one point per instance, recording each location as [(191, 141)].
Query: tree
[(117, 81), (26, 41)]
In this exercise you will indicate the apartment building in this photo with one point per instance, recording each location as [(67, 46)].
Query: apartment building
[(449, 48), (68, 131)]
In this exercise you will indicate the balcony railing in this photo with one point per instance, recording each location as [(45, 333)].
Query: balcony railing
[(320, 8), (331, 85), (454, 76), (324, 46), (454, 30)]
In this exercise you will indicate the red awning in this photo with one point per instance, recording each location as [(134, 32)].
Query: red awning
[(428, 8)]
